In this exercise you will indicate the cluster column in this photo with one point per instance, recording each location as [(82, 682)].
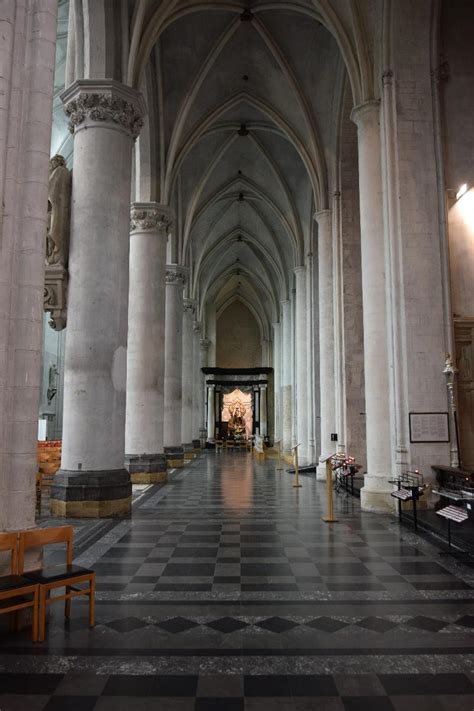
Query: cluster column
[(375, 494), (189, 307), (27, 52), (175, 281), (326, 336), (105, 117), (150, 226)]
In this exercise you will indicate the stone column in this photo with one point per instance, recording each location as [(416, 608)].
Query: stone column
[(203, 350), (256, 409), (263, 410), (189, 307), (27, 53), (375, 494), (197, 395), (150, 226), (175, 281), (106, 118), (326, 336), (286, 394), (310, 346), (301, 378), (277, 378), (211, 413)]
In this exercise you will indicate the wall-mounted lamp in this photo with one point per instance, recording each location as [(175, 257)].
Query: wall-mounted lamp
[(462, 190)]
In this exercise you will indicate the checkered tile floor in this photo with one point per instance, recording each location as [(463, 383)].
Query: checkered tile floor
[(225, 590), (265, 557), (214, 692)]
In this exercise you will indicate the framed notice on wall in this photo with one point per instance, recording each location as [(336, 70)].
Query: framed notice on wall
[(428, 427)]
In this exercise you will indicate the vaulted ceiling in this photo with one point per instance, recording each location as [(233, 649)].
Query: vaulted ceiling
[(243, 108), (244, 100)]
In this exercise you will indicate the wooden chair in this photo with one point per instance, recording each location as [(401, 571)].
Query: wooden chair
[(15, 587), (56, 576), (219, 444), (230, 444)]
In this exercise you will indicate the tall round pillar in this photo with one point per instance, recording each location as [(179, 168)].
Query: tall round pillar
[(211, 412), (203, 351), (189, 307), (301, 367), (263, 410), (197, 394), (106, 118), (150, 226), (326, 336), (310, 347), (256, 409), (175, 281), (277, 378), (286, 394), (375, 494)]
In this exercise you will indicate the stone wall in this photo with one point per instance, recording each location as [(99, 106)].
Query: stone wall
[(238, 338)]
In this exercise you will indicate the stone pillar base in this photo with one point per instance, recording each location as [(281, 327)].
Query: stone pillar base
[(197, 446), (375, 496), (321, 471), (146, 468), (149, 477), (91, 494), (188, 451), (174, 457)]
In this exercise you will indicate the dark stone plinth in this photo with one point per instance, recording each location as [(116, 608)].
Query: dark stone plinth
[(196, 444), (91, 494), (174, 456), (145, 463)]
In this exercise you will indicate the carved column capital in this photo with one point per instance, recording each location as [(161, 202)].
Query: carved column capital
[(176, 275), (151, 217), (89, 102), (197, 327), (366, 113), (204, 343)]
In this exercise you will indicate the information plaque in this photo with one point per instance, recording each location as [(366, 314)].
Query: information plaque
[(428, 427)]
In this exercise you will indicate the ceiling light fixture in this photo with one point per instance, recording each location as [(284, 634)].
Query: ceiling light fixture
[(243, 131), (246, 16), (241, 197), (462, 191)]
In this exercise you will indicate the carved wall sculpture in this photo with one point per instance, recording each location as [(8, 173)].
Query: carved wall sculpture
[(57, 242)]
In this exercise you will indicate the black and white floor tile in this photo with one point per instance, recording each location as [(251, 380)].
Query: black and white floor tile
[(226, 590)]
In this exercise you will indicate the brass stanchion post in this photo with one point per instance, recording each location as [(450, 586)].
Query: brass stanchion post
[(297, 484), (329, 518)]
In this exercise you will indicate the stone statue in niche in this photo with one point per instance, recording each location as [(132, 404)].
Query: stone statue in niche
[(59, 209), (57, 242), (236, 424)]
